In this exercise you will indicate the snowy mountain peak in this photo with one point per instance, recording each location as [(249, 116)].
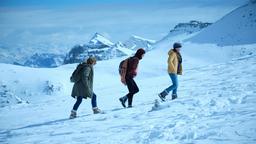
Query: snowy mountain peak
[(190, 27), (99, 39), (142, 39), (99, 47), (135, 42)]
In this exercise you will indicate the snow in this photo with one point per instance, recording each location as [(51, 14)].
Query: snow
[(236, 28), (216, 103)]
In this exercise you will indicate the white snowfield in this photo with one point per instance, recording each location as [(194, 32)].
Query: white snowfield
[(216, 104)]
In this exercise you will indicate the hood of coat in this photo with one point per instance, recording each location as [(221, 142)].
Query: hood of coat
[(85, 64), (139, 53), (171, 52)]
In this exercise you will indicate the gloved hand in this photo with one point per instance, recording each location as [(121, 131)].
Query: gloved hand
[(123, 80)]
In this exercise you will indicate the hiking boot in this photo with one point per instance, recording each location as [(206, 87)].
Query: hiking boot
[(129, 106), (174, 96), (73, 114), (162, 95), (96, 110), (122, 100)]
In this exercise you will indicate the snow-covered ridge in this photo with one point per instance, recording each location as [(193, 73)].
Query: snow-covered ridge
[(190, 27), (183, 31), (236, 28)]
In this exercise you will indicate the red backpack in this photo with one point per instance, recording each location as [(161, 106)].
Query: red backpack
[(123, 67)]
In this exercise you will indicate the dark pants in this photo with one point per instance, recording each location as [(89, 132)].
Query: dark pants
[(133, 89), (80, 99)]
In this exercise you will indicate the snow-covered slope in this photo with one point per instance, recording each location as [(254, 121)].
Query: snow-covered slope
[(236, 28), (216, 104), (31, 84)]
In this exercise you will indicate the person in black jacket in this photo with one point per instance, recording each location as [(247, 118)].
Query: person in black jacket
[(129, 77)]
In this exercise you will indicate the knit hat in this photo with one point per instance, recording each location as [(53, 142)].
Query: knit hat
[(139, 53), (177, 45), (91, 60)]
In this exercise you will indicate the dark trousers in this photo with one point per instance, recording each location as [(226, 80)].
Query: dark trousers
[(80, 99), (132, 87)]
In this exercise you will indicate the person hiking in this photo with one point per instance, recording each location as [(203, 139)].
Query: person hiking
[(174, 69), (128, 78), (83, 88)]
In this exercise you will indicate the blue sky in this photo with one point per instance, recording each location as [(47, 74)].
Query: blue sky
[(48, 2), (54, 3), (51, 3)]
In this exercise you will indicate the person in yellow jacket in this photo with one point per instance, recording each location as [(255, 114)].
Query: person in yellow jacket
[(174, 69)]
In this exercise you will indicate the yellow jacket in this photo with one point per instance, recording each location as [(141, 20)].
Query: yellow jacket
[(173, 63)]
